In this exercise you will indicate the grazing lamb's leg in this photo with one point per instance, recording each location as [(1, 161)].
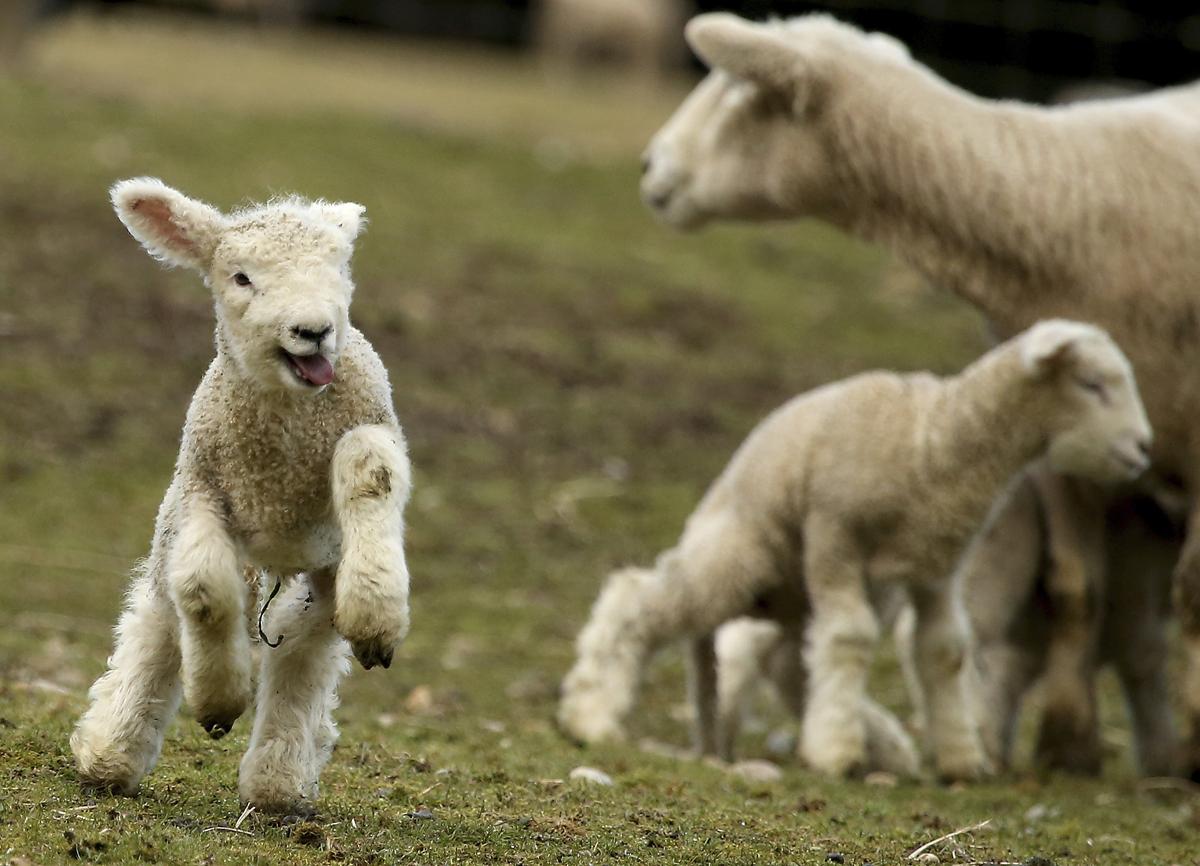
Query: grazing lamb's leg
[(371, 483), (841, 643), (711, 577), (294, 731), (119, 737), (942, 638), (746, 652), (207, 586), (702, 690), (1069, 737)]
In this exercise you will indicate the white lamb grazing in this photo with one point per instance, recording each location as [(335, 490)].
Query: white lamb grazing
[(1089, 211), (292, 462), (880, 480)]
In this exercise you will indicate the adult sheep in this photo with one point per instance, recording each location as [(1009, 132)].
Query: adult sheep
[(292, 462), (1087, 210), (878, 481)]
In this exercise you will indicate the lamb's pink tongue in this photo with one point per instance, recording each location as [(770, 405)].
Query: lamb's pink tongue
[(315, 368)]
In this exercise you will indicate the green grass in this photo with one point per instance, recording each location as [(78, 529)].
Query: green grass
[(570, 376)]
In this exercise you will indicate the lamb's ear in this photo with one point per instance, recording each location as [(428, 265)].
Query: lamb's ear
[(346, 215), (746, 50), (173, 228), (1050, 346)]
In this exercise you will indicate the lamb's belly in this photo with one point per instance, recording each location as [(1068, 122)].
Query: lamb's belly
[(289, 554)]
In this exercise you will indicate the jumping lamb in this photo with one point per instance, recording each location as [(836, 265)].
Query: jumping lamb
[(1089, 210), (879, 481), (292, 463)]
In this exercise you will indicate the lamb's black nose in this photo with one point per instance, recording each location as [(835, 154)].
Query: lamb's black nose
[(309, 334), (1144, 447)]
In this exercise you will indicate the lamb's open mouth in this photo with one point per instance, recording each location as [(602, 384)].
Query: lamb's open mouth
[(313, 370)]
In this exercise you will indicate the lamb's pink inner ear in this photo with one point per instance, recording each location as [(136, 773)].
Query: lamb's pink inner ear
[(158, 213)]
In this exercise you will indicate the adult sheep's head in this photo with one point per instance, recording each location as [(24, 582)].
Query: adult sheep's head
[(750, 141), (1098, 425), (279, 273)]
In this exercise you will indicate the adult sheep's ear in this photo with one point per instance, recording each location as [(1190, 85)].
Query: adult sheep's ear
[(755, 52), (1050, 346), (346, 216), (173, 228)]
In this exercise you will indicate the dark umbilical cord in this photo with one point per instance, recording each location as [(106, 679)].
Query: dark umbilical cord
[(262, 634)]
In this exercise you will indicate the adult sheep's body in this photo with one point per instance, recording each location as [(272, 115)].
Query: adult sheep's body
[(1088, 211), (285, 468)]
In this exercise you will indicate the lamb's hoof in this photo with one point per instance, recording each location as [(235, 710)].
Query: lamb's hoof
[(967, 771), (217, 727), (119, 787), (371, 653), (1064, 744), (284, 811)]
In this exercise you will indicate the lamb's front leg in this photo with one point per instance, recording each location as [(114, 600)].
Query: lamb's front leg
[(208, 589), (942, 637), (702, 690), (294, 732), (371, 483), (841, 643)]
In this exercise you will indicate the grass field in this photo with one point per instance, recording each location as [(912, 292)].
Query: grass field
[(570, 377)]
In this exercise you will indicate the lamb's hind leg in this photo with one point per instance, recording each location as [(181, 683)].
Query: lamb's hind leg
[(371, 483), (294, 732), (207, 586), (841, 643), (942, 640), (119, 737)]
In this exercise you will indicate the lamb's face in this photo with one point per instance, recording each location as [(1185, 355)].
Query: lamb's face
[(1102, 431), (279, 273), (281, 280), (750, 141)]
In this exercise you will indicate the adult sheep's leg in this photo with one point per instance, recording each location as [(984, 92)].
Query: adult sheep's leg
[(294, 732), (1069, 737), (1187, 603), (371, 483), (207, 587), (841, 643), (1143, 545), (1003, 674), (119, 737), (941, 640), (711, 577)]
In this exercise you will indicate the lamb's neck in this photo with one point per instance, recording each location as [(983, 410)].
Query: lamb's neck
[(985, 424), (956, 186)]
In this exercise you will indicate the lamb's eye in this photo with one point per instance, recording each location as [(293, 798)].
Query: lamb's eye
[(1093, 386), (241, 279)]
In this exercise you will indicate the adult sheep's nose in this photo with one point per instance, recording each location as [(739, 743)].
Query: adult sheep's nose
[(315, 335), (1143, 446)]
